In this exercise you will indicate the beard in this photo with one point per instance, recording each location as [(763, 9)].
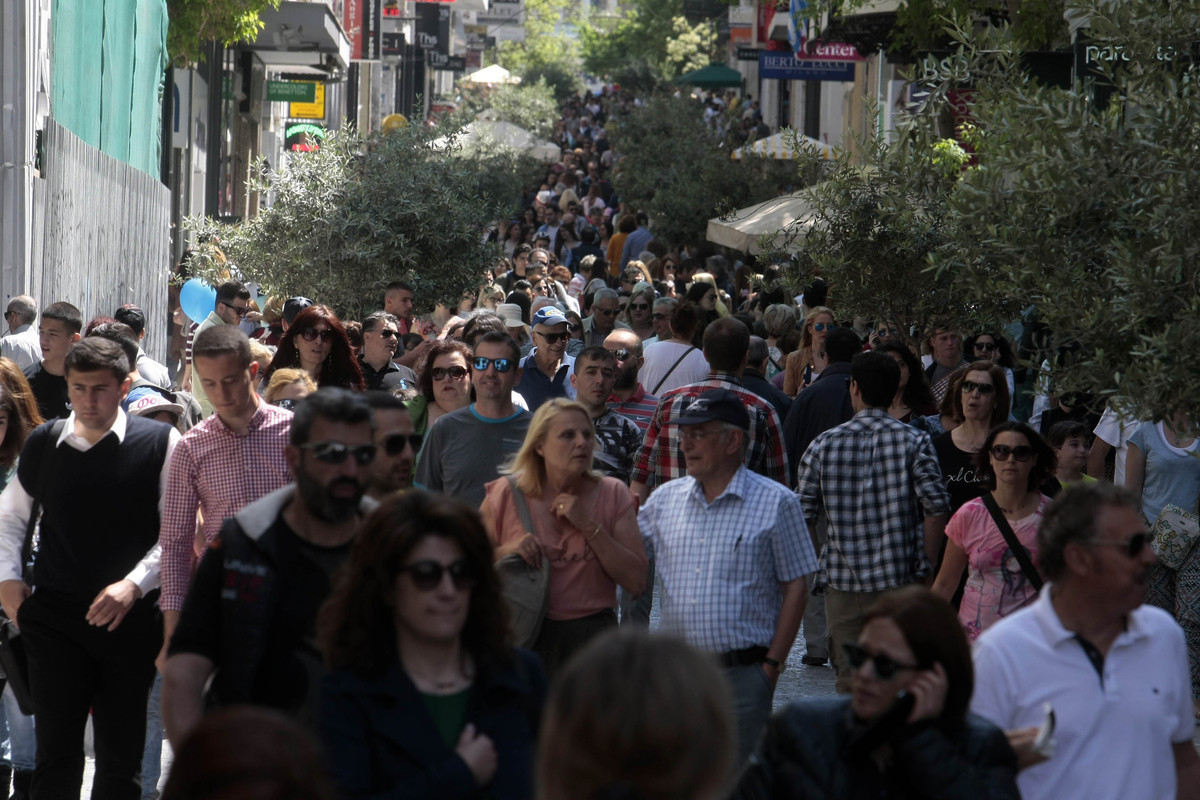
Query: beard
[(626, 378), (323, 503)]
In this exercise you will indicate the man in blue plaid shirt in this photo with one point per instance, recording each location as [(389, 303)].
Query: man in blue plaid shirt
[(732, 552), (878, 483)]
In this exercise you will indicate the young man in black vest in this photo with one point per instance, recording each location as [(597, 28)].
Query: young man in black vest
[(90, 631)]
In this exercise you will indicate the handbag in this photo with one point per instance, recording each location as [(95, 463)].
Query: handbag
[(1174, 533), (526, 589), (678, 361), (1014, 544), (13, 659)]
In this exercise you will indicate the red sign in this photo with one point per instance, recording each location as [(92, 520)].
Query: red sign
[(352, 22), (830, 51)]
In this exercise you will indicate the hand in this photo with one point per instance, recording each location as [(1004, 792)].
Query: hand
[(530, 549), (566, 508), (113, 603), (1021, 740), (160, 661), (12, 595), (929, 689), (479, 753), (252, 316), (772, 674)]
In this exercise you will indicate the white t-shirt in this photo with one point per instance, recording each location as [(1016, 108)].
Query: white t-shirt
[(1116, 430), (1114, 737), (659, 358)]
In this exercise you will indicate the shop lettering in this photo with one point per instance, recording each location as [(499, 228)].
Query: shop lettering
[(1096, 54)]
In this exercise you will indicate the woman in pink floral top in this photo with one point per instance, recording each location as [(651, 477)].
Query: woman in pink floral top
[(1015, 461)]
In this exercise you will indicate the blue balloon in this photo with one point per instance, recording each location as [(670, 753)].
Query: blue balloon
[(197, 299)]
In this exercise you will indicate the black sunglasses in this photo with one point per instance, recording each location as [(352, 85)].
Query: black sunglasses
[(387, 333), (608, 312), (241, 311), (456, 372), (639, 306), (1021, 452), (982, 388), (1133, 546), (394, 444), (886, 668), (986, 347), (554, 337), (336, 452), (427, 575), (657, 317), (312, 334), (287, 402), (622, 355), (502, 364)]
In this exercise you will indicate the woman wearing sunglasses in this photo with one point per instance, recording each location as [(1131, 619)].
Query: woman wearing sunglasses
[(425, 697), (585, 524), (981, 403), (637, 313), (1015, 463), (904, 731), (804, 365), (988, 346), (443, 384), (316, 342)]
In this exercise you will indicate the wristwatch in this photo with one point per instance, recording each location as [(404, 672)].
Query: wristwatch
[(773, 663)]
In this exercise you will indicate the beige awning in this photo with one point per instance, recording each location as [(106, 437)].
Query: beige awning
[(780, 218)]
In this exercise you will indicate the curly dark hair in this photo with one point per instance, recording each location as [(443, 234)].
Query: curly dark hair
[(340, 369), (917, 395), (440, 348), (356, 628), (1045, 463)]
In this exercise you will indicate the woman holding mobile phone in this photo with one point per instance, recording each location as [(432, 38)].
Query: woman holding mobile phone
[(904, 731)]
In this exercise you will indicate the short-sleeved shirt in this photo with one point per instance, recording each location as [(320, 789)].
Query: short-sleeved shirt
[(618, 441), (963, 481), (50, 392), (464, 451), (1115, 430), (996, 584), (1172, 473), (656, 373), (579, 586), (640, 407)]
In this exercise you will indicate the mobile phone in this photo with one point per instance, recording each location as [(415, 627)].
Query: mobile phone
[(1044, 743)]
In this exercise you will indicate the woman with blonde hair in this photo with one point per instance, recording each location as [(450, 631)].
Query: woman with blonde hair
[(805, 364), (637, 312), (288, 386), (585, 524)]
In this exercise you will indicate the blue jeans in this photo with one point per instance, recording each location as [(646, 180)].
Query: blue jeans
[(152, 760), (752, 699), (19, 749)]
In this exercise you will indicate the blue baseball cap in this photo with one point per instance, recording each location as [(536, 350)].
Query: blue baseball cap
[(549, 315)]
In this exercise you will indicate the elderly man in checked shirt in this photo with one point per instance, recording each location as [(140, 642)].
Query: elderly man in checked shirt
[(873, 478), (732, 551)]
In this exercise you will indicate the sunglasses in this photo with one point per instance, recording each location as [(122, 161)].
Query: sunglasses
[(622, 355), (427, 575), (240, 310), (986, 347), (640, 306), (608, 312), (573, 328), (885, 667), (893, 332), (502, 364), (287, 402), (394, 444), (1021, 452), (455, 372), (659, 317), (982, 388), (1133, 546), (821, 327), (336, 452), (312, 334), (388, 333), (554, 337)]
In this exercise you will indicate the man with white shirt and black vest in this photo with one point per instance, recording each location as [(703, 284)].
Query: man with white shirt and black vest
[(90, 630)]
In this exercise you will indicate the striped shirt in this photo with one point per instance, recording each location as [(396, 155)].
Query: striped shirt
[(218, 472), (640, 407)]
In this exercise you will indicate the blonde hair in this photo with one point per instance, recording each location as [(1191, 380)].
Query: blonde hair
[(283, 378), (261, 353), (806, 337), (527, 465)]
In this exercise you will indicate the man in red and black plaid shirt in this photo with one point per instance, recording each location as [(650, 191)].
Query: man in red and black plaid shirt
[(726, 345)]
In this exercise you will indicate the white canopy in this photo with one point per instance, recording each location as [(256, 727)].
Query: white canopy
[(505, 134), (779, 146), (492, 74), (779, 217)]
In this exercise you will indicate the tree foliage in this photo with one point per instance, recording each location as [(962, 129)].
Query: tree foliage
[(529, 105), (357, 214), (676, 169), (546, 54), (653, 42), (194, 22), (691, 47)]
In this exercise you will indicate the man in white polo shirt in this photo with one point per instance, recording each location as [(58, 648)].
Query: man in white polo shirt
[(1115, 671)]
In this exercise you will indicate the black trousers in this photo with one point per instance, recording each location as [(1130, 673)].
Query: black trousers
[(75, 667), (558, 640)]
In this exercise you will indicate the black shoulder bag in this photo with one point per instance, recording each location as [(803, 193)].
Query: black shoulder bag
[(678, 361), (1018, 550)]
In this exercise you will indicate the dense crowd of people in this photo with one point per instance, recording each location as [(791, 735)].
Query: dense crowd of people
[(416, 555)]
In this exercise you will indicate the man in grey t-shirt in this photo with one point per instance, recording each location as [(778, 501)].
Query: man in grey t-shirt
[(465, 448)]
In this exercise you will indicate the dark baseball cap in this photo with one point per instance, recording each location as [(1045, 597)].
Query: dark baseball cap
[(294, 306), (717, 405)]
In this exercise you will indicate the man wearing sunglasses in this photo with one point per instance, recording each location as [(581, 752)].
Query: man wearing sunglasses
[(396, 446), (1114, 671), (629, 398), (465, 449), (250, 615), (233, 301), (546, 371), (603, 319), (381, 337)]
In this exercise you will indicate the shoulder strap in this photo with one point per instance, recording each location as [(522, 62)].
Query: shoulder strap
[(678, 361), (1014, 544), (522, 506), (52, 435)]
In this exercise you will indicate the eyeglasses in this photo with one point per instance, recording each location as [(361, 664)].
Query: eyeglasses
[(1133, 546), (639, 306), (659, 317), (502, 364), (454, 373), (551, 338), (885, 667), (986, 347), (1021, 452), (608, 312), (821, 327), (394, 444), (312, 334), (982, 388), (427, 575), (573, 328), (240, 310), (695, 433), (287, 402), (386, 333), (336, 452), (622, 354)]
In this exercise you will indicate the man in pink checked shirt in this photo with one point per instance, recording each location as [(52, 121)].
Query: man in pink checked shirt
[(221, 465)]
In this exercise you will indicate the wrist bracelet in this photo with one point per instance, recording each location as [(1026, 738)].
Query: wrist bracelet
[(773, 663), (594, 533)]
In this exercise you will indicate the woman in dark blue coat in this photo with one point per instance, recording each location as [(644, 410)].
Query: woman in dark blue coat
[(425, 698)]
